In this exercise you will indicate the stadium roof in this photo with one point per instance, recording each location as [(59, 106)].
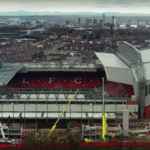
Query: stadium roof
[(7, 72), (115, 69), (54, 66)]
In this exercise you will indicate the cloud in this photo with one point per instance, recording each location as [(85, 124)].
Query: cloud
[(132, 6)]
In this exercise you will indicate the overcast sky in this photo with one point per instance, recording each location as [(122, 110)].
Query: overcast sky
[(131, 6)]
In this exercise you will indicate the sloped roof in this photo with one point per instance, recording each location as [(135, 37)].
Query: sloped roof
[(7, 72), (115, 69)]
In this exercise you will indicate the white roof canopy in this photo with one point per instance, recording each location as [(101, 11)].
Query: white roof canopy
[(115, 69)]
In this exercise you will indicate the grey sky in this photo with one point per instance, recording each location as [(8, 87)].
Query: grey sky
[(131, 6)]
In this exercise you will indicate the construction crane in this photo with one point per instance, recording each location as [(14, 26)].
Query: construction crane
[(70, 98)]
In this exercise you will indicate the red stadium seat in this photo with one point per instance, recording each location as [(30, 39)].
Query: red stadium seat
[(118, 89), (31, 82)]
